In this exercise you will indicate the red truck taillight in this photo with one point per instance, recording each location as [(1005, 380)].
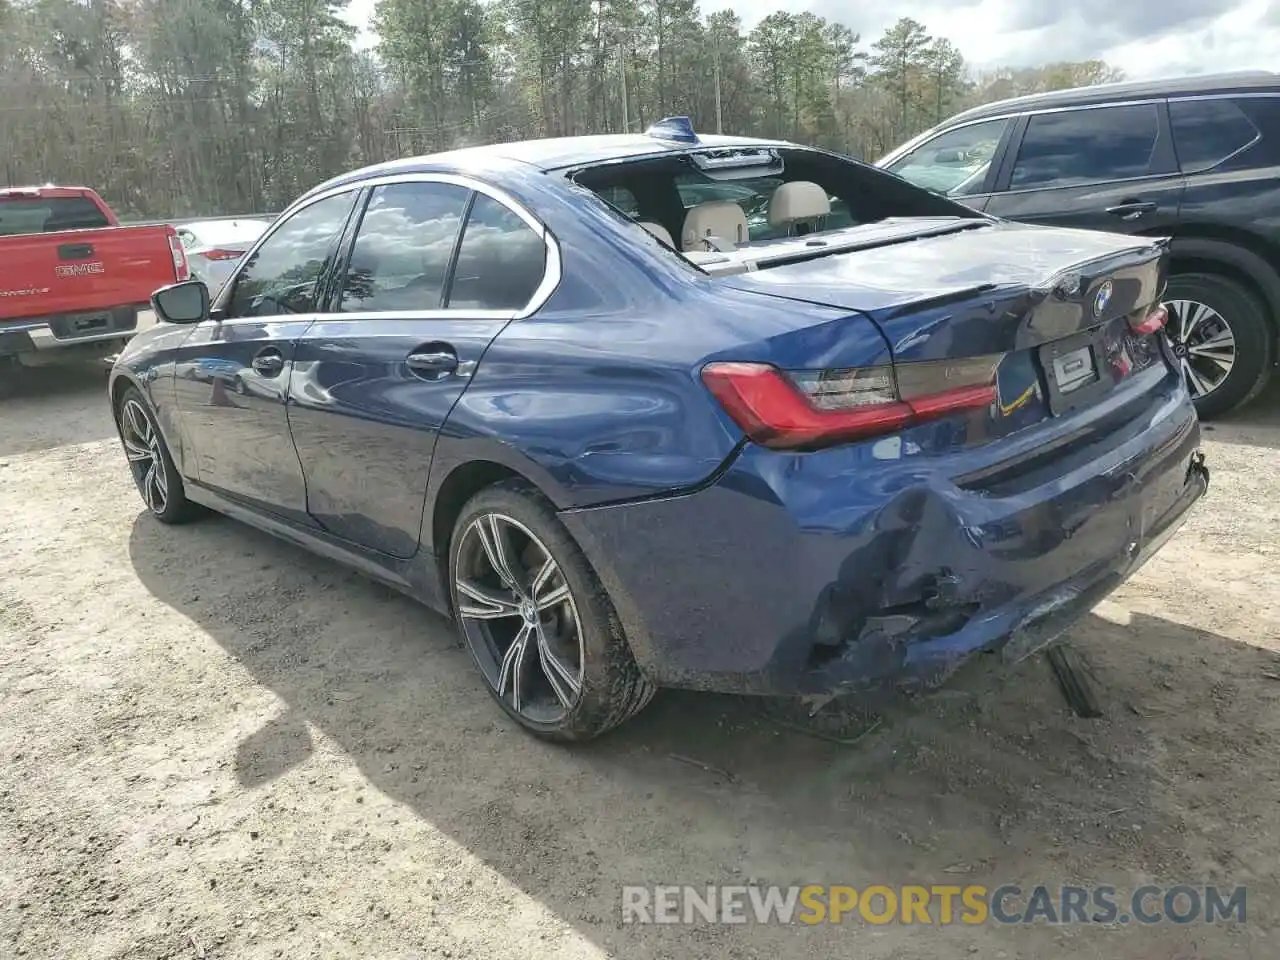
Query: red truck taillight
[(180, 268)]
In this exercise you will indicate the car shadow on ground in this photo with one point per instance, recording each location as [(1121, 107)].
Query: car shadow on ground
[(49, 407), (992, 781)]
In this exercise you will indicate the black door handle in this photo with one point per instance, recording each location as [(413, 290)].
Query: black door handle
[(268, 363), (432, 363), (1132, 209)]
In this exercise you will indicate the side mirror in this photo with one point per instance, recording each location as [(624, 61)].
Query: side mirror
[(186, 302)]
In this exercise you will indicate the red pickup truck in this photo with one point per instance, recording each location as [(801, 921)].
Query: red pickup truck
[(73, 282)]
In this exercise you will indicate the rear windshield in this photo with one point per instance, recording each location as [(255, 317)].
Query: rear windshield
[(48, 214), (706, 207)]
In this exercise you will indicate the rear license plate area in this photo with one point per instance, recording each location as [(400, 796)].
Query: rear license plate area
[(1071, 371), (90, 324)]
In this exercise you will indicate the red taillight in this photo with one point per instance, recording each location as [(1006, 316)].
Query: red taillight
[(1155, 320), (222, 254), (180, 269), (809, 409)]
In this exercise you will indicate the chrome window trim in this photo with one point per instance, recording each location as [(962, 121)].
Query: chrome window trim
[(923, 138), (552, 271)]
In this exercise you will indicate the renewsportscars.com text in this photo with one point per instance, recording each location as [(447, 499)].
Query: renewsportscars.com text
[(932, 905)]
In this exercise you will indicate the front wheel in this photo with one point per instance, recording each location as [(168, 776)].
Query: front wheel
[(1222, 338), (537, 621), (153, 470)]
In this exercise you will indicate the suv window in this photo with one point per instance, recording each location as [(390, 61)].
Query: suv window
[(1206, 132), (281, 276), (753, 196), (501, 260), (1084, 146), (401, 255), (956, 162)]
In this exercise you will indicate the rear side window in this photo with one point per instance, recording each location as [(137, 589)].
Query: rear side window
[(48, 214), (501, 260), (1206, 132), (401, 255), (1087, 146), (282, 274)]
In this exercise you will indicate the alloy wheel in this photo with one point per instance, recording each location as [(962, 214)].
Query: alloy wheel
[(519, 616), (142, 448), (1203, 343)]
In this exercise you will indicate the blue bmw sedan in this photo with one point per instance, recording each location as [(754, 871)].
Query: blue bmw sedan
[(669, 410)]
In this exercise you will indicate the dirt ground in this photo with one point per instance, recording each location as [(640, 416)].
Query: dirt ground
[(215, 745)]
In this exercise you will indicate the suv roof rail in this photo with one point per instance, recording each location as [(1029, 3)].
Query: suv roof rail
[(1197, 83)]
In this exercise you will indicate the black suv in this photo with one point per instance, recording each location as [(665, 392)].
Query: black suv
[(1195, 159)]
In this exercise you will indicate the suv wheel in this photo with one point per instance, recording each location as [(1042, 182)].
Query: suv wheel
[(1221, 337)]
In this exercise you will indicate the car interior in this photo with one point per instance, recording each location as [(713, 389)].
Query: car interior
[(705, 204)]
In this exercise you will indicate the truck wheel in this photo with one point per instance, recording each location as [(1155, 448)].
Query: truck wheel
[(154, 472), (1222, 338), (10, 371)]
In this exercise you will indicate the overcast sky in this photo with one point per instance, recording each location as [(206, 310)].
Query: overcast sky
[(1145, 38)]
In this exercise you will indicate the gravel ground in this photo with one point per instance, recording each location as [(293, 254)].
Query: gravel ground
[(215, 745)]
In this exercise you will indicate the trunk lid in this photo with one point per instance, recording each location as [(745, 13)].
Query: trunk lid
[(1051, 308)]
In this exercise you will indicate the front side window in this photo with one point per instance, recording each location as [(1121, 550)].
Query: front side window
[(1206, 132), (282, 275), (501, 260), (954, 163), (1087, 146), (401, 255)]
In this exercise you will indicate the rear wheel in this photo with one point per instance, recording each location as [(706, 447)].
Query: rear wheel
[(1222, 338), (153, 470), (537, 621)]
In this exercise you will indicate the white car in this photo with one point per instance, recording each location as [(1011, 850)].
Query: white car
[(214, 247)]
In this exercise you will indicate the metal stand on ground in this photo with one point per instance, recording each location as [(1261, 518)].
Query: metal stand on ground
[(1074, 681)]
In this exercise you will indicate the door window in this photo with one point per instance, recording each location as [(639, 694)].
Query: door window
[(282, 274), (501, 260), (1206, 132), (401, 255), (1087, 146), (954, 163)]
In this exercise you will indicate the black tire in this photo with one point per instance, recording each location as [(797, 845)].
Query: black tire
[(176, 508), (1075, 681), (612, 689), (1250, 326), (11, 376)]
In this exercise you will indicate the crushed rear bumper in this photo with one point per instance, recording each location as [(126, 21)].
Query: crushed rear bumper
[(786, 578)]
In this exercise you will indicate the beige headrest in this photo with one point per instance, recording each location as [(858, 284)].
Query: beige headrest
[(720, 219), (659, 231), (797, 200)]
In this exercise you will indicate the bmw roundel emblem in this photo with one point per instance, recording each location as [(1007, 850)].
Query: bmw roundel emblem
[(1101, 299)]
